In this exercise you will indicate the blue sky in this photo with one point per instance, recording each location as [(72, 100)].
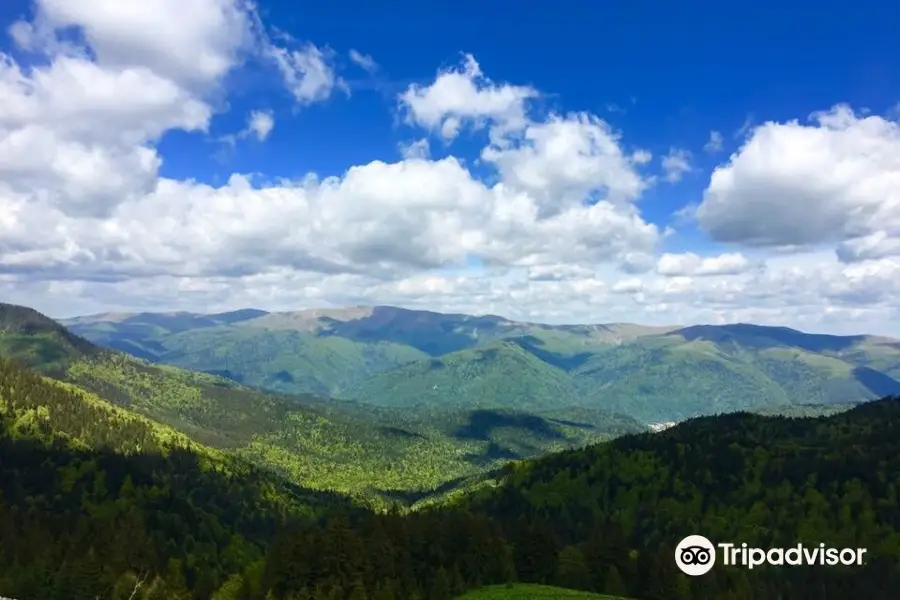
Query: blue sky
[(663, 73), (791, 199)]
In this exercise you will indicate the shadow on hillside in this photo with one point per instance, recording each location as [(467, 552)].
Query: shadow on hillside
[(433, 333), (399, 432), (761, 337), (877, 382), (227, 374), (409, 497), (148, 350), (575, 424), (491, 454), (533, 344), (177, 470), (482, 422)]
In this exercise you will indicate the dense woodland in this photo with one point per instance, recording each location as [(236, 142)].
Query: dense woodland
[(95, 503)]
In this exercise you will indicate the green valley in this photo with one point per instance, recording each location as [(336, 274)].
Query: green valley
[(374, 453)]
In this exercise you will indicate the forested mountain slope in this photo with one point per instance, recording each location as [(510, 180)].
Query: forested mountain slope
[(356, 448), (767, 481), (115, 500), (389, 356), (94, 499)]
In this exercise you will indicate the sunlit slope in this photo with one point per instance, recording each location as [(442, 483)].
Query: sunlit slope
[(284, 361), (503, 375)]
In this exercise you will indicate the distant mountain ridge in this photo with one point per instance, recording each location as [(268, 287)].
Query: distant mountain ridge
[(394, 357), (372, 451)]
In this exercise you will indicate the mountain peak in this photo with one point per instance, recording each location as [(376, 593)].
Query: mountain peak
[(21, 319), (18, 320)]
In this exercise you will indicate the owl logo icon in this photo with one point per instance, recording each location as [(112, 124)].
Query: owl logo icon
[(695, 555)]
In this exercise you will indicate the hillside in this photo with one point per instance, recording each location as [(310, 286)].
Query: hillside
[(374, 453), (606, 519), (766, 481), (498, 375), (388, 356), (119, 507), (85, 487), (329, 351)]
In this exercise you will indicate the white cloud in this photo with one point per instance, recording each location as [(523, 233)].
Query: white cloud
[(463, 95), (834, 181), (564, 196), (562, 161), (552, 208), (559, 273), (364, 61), (417, 149), (812, 291), (157, 36), (308, 72), (675, 164), (715, 142), (261, 124), (630, 285), (77, 98), (676, 265), (641, 157)]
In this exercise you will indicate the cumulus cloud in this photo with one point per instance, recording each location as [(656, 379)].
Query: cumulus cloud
[(184, 41), (260, 124), (551, 210), (564, 195), (676, 265), (812, 291), (463, 95), (563, 160), (834, 180)]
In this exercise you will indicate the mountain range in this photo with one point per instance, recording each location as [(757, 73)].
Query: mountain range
[(370, 451), (98, 500), (424, 361)]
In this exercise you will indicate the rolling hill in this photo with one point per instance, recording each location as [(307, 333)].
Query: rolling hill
[(766, 481), (386, 356), (85, 486), (366, 450)]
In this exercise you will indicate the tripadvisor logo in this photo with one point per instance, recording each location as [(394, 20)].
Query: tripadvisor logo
[(696, 555)]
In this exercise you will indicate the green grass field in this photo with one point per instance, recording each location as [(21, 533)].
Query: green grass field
[(524, 591)]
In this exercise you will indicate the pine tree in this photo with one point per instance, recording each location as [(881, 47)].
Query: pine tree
[(572, 572), (614, 585), (386, 590), (358, 592), (440, 586)]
